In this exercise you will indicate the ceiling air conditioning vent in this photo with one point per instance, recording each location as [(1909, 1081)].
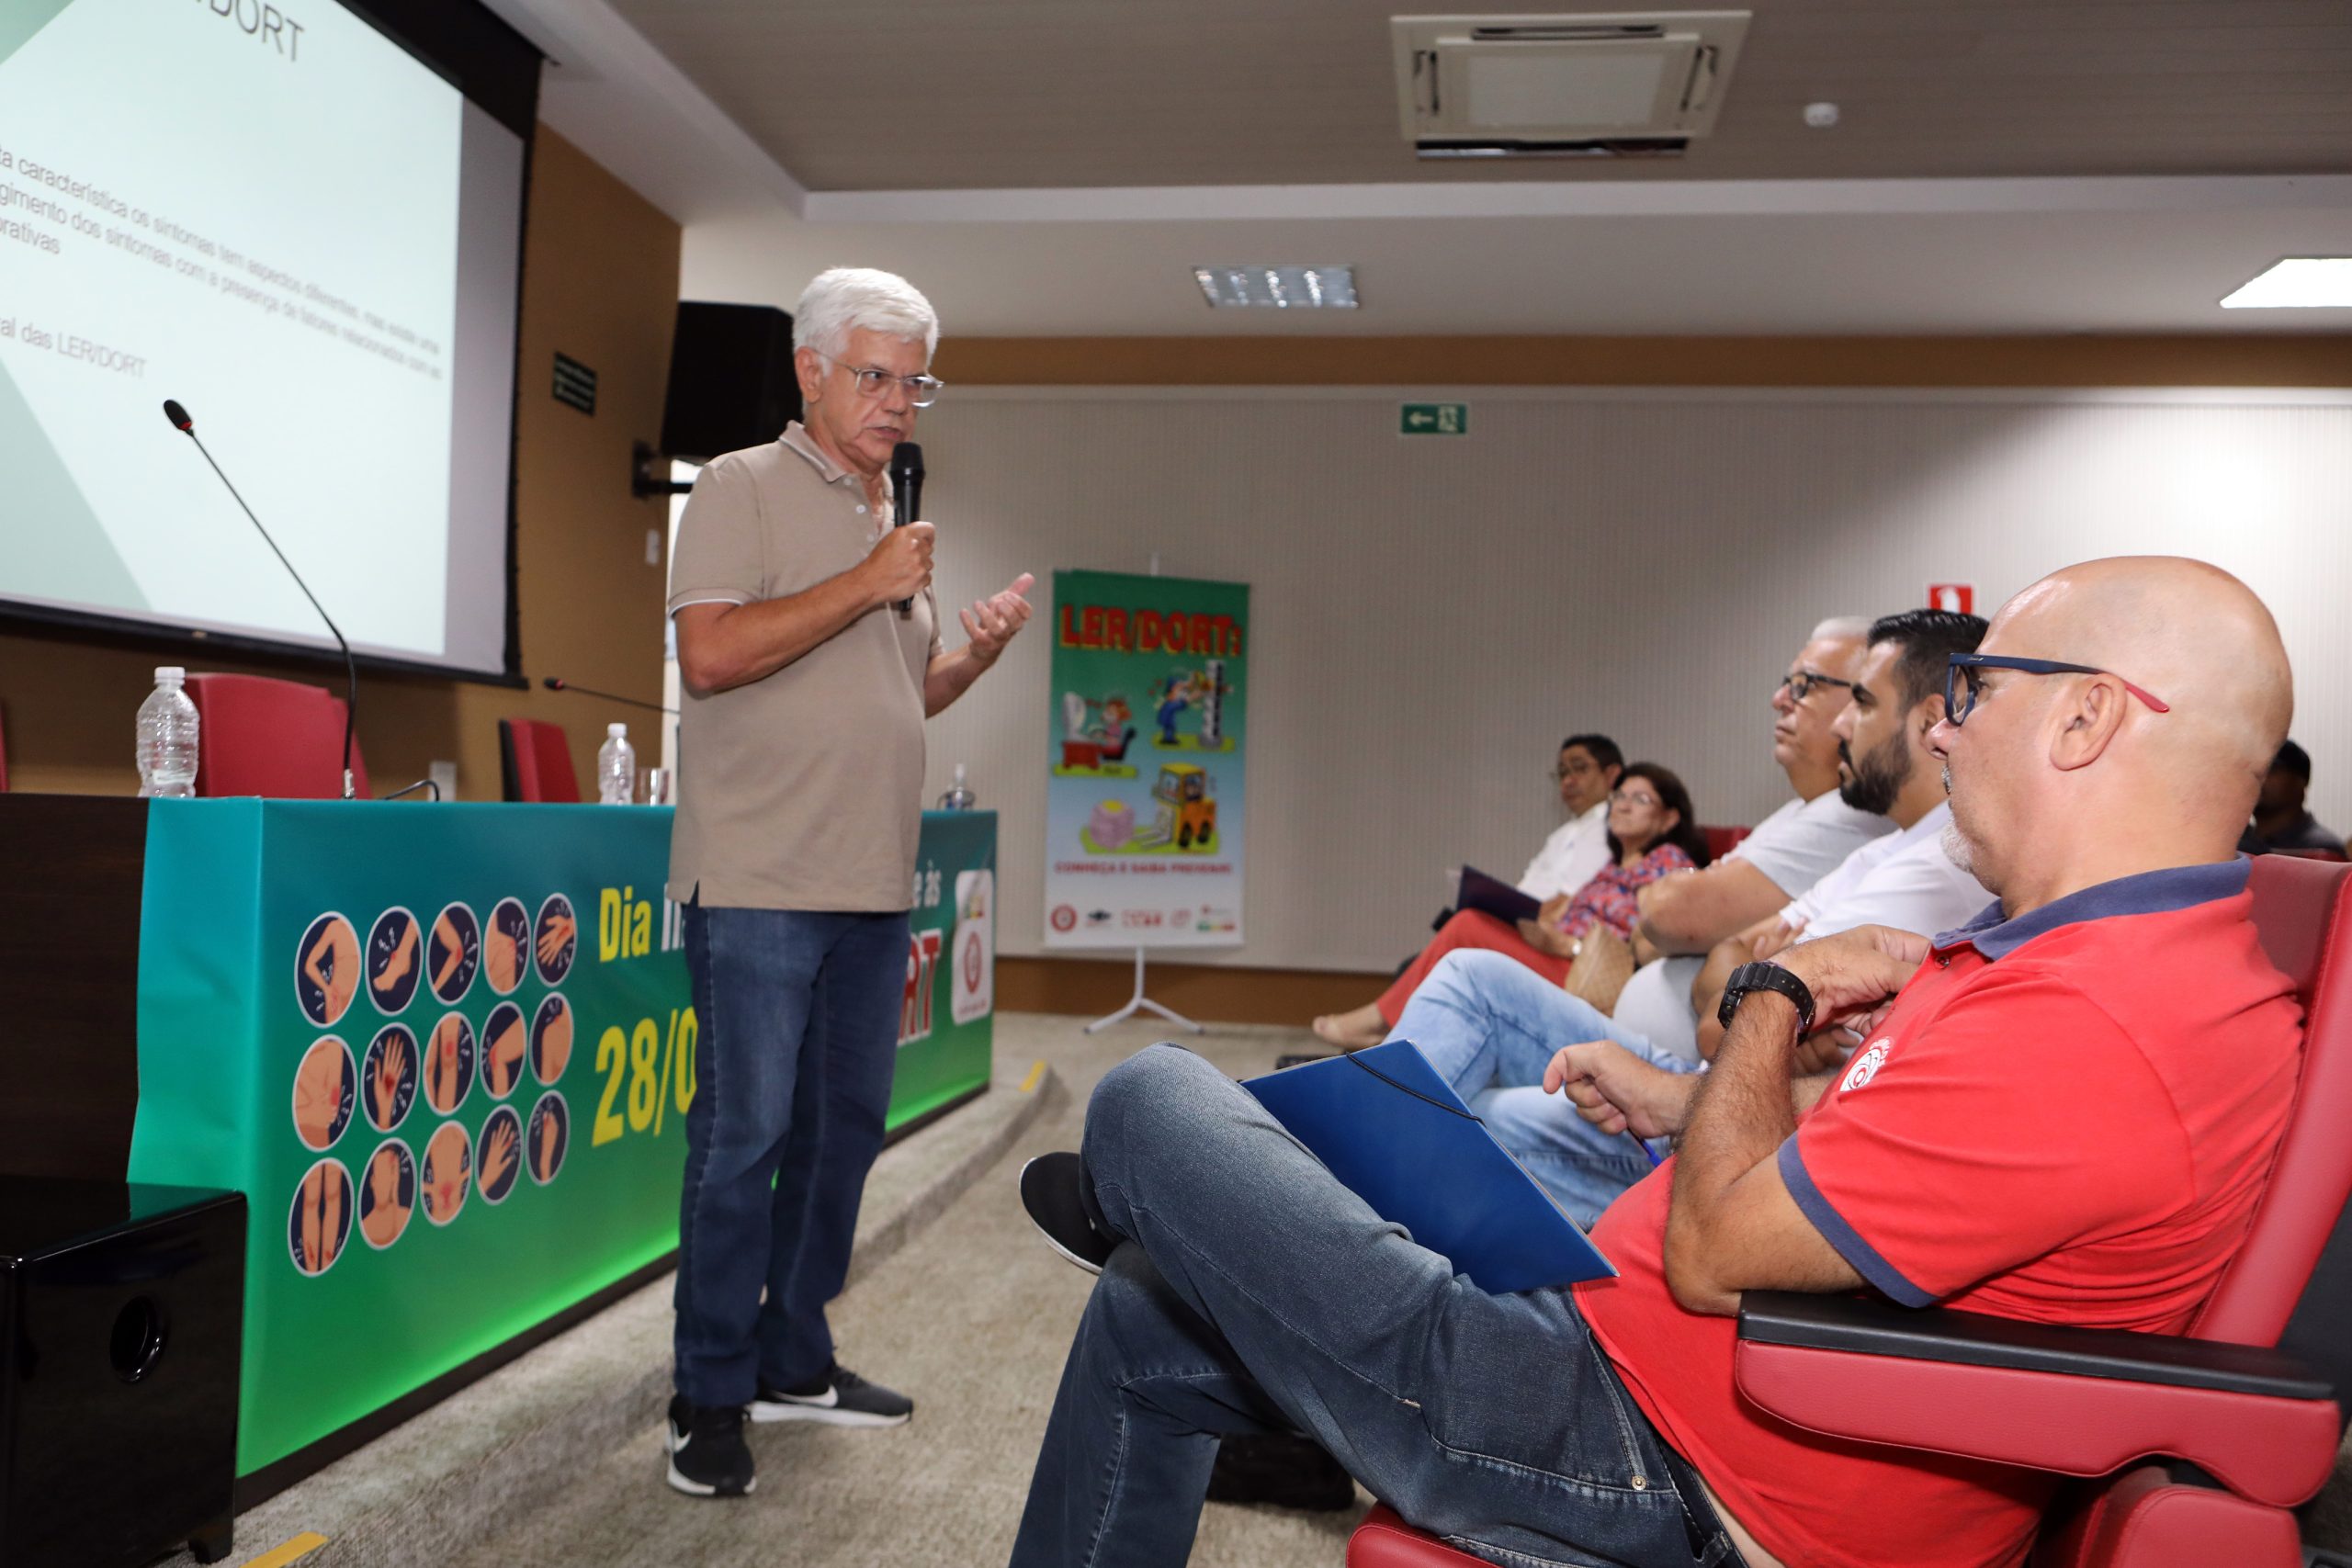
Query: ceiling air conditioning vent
[(1606, 86)]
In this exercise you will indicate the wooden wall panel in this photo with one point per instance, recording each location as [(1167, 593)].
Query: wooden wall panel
[(2074, 360)]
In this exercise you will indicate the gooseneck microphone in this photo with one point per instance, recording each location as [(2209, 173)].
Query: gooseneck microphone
[(557, 684), (178, 415), (906, 492)]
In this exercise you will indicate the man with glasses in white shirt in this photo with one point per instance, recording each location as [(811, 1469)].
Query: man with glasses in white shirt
[(1807, 838), (1579, 849)]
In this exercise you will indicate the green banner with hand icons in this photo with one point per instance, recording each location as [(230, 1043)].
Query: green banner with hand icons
[(447, 1051)]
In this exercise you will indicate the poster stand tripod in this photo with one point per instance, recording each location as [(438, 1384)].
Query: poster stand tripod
[(1141, 1003)]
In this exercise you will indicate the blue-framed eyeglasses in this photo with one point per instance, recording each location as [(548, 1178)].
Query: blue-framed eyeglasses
[(1962, 685)]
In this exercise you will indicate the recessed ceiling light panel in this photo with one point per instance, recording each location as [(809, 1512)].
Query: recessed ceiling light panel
[(1279, 288), (2305, 282)]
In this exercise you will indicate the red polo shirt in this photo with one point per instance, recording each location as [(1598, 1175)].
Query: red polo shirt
[(2066, 1118)]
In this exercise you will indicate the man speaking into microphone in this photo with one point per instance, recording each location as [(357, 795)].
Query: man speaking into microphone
[(801, 763)]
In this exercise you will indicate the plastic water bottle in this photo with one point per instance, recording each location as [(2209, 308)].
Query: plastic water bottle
[(167, 725), (616, 768), (959, 795)]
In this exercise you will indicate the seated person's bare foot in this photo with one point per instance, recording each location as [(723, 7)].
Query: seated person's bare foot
[(1353, 1030)]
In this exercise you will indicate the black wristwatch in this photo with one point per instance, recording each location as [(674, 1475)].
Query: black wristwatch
[(1766, 977)]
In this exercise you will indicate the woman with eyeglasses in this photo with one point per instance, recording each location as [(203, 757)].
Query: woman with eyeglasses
[(1653, 831)]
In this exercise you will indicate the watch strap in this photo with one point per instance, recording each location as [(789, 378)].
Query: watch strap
[(1766, 977)]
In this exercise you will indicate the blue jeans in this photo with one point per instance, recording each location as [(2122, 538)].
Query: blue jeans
[(1252, 1292), (799, 1015), (1490, 1025)]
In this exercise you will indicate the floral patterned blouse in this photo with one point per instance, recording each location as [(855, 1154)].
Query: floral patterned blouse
[(1608, 898)]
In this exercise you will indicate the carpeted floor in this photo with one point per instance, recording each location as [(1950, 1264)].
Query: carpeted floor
[(972, 1318)]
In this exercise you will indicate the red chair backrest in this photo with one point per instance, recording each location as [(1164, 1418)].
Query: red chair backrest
[(2303, 911), (538, 759), (1721, 841), (260, 736)]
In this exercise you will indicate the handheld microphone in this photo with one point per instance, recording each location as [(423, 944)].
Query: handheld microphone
[(178, 415), (557, 684), (906, 491)]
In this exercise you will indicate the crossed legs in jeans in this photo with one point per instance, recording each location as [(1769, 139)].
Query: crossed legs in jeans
[(1490, 1026), (1252, 1292)]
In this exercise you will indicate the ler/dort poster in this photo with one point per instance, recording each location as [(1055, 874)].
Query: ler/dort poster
[(1144, 808)]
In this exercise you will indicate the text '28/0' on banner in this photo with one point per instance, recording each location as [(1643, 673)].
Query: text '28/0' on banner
[(1144, 814)]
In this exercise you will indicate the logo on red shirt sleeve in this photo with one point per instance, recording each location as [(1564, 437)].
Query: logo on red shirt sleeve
[(1866, 1065)]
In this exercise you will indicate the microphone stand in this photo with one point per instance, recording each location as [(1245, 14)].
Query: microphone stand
[(554, 683), (350, 666)]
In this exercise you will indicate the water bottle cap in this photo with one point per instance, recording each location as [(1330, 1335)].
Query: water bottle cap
[(175, 674), (617, 731)]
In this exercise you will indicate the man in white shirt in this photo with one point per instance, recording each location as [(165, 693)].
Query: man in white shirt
[(1801, 843), (1515, 1020), (1808, 837), (1579, 849)]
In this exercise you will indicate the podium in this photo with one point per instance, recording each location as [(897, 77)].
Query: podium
[(447, 1053)]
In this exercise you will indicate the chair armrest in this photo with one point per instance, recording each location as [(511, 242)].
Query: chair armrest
[(2073, 1400), (1871, 1328)]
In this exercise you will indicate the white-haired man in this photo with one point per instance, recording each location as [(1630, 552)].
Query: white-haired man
[(1807, 838), (793, 854)]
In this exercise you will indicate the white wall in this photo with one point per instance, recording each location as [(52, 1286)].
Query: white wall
[(1431, 615)]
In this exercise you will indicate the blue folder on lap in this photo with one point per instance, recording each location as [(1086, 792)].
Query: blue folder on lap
[(1431, 1168)]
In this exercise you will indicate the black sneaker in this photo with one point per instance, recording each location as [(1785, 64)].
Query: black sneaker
[(839, 1398), (707, 1455), (1283, 1469), (1052, 1189)]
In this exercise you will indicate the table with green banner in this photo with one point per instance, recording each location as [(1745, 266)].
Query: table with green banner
[(447, 1053)]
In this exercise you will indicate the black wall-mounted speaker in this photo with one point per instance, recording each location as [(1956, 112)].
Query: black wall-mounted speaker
[(121, 1330), (731, 383)]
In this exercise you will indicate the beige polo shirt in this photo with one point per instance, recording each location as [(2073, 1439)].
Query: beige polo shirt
[(803, 791)]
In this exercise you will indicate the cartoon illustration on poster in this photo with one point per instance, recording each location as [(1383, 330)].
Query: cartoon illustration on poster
[(1144, 814)]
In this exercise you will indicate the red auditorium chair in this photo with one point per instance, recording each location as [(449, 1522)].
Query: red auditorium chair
[(1721, 841), (2191, 1450), (535, 759), (282, 739)]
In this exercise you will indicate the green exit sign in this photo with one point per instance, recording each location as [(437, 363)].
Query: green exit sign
[(1434, 418)]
